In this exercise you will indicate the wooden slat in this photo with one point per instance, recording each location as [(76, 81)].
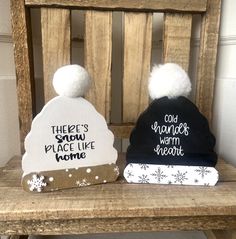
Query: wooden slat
[(137, 57), (121, 200), (23, 52), (177, 34), (207, 58), (98, 48), (142, 5), (56, 44)]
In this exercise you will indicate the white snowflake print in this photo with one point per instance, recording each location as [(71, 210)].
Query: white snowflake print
[(36, 183), (180, 177), (117, 171), (82, 183), (159, 175), (131, 165), (170, 166), (129, 174), (203, 171), (143, 179), (143, 166)]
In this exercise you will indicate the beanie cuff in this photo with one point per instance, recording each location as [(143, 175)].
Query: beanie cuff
[(171, 174)]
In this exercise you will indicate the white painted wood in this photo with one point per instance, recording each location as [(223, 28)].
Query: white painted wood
[(5, 38), (225, 118), (7, 60), (171, 174), (9, 133), (62, 128), (228, 19), (5, 25), (226, 61)]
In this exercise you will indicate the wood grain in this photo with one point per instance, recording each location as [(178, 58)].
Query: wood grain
[(207, 58), (23, 54), (98, 48), (193, 6), (119, 201), (137, 58), (176, 39), (100, 225), (227, 171), (56, 44)]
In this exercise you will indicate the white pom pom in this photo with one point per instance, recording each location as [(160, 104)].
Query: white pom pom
[(168, 80), (71, 81)]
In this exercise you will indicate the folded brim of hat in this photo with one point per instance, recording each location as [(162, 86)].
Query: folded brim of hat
[(47, 181), (171, 174)]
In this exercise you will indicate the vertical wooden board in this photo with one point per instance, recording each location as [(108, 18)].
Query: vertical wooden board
[(56, 44), (98, 48), (206, 70), (23, 53), (176, 39), (137, 58)]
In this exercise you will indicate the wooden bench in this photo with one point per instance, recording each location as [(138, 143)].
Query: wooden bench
[(116, 207)]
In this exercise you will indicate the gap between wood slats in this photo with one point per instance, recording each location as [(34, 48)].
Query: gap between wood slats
[(137, 58), (56, 44), (98, 48), (121, 131), (142, 5), (176, 39)]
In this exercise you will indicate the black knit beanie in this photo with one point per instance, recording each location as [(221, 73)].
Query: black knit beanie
[(172, 132)]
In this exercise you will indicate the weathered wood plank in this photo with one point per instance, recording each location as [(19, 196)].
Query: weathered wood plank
[(98, 48), (136, 224), (176, 39), (227, 171), (23, 53), (207, 58), (142, 5), (56, 44), (137, 58), (121, 200)]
